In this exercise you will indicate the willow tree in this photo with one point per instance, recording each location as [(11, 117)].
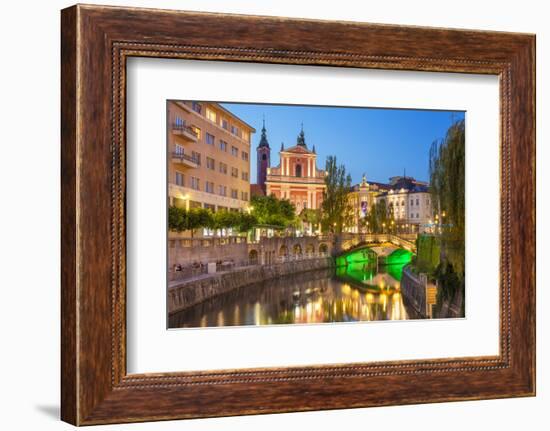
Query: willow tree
[(337, 209), (447, 177), (447, 187)]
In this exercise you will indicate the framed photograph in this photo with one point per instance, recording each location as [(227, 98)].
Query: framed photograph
[(276, 215)]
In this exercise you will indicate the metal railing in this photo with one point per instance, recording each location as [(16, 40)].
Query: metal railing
[(183, 156), (185, 128)]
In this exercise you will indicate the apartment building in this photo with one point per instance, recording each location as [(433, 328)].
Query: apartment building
[(209, 156)]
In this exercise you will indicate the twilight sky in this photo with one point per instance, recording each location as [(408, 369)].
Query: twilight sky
[(378, 142)]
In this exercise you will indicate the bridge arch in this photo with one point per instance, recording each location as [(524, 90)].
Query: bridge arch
[(400, 255), (297, 249), (283, 251), (310, 248), (253, 257), (323, 248)]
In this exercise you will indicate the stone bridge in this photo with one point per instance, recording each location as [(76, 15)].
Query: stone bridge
[(186, 251), (349, 241), (271, 250)]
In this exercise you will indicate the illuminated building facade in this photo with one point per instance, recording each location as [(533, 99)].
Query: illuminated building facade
[(297, 177), (409, 201), (209, 157)]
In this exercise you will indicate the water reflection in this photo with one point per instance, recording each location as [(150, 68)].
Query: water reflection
[(358, 292)]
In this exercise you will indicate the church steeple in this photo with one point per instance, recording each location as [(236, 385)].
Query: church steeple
[(263, 158), (301, 140), (263, 139)]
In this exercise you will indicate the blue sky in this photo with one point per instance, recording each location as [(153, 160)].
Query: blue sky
[(378, 142)]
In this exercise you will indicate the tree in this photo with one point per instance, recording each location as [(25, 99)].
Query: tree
[(337, 209), (246, 222), (311, 217), (180, 220), (269, 210), (177, 219), (447, 187), (224, 219), (199, 218), (380, 217)]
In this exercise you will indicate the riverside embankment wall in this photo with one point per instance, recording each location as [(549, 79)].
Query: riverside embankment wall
[(413, 289), (192, 292)]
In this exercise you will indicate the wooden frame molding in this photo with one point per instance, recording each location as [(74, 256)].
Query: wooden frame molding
[(95, 43)]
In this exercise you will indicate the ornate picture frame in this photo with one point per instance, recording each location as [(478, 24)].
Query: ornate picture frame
[(96, 41)]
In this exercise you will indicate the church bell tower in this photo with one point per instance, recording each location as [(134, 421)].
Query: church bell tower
[(263, 159)]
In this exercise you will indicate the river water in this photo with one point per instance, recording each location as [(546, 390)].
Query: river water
[(358, 292)]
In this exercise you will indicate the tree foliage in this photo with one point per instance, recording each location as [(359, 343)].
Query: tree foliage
[(380, 218), (311, 216), (447, 187), (337, 209), (180, 219), (269, 210)]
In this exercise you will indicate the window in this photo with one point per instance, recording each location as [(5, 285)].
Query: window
[(179, 122), (402, 203), (235, 130), (234, 193), (235, 172), (210, 163), (412, 202), (197, 107), (209, 187), (179, 150), (225, 124), (244, 196), (417, 201), (245, 135), (197, 132), (210, 139), (235, 151), (298, 170), (196, 157), (223, 145), (244, 156), (264, 156), (195, 183), (244, 175), (180, 179), (223, 168), (211, 115), (222, 190)]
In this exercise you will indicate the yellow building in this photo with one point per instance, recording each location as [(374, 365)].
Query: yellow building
[(209, 156), (362, 197)]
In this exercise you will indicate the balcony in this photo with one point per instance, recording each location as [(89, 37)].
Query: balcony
[(185, 131), (185, 160)]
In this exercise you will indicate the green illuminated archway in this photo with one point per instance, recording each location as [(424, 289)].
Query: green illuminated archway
[(356, 256), (399, 256)]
